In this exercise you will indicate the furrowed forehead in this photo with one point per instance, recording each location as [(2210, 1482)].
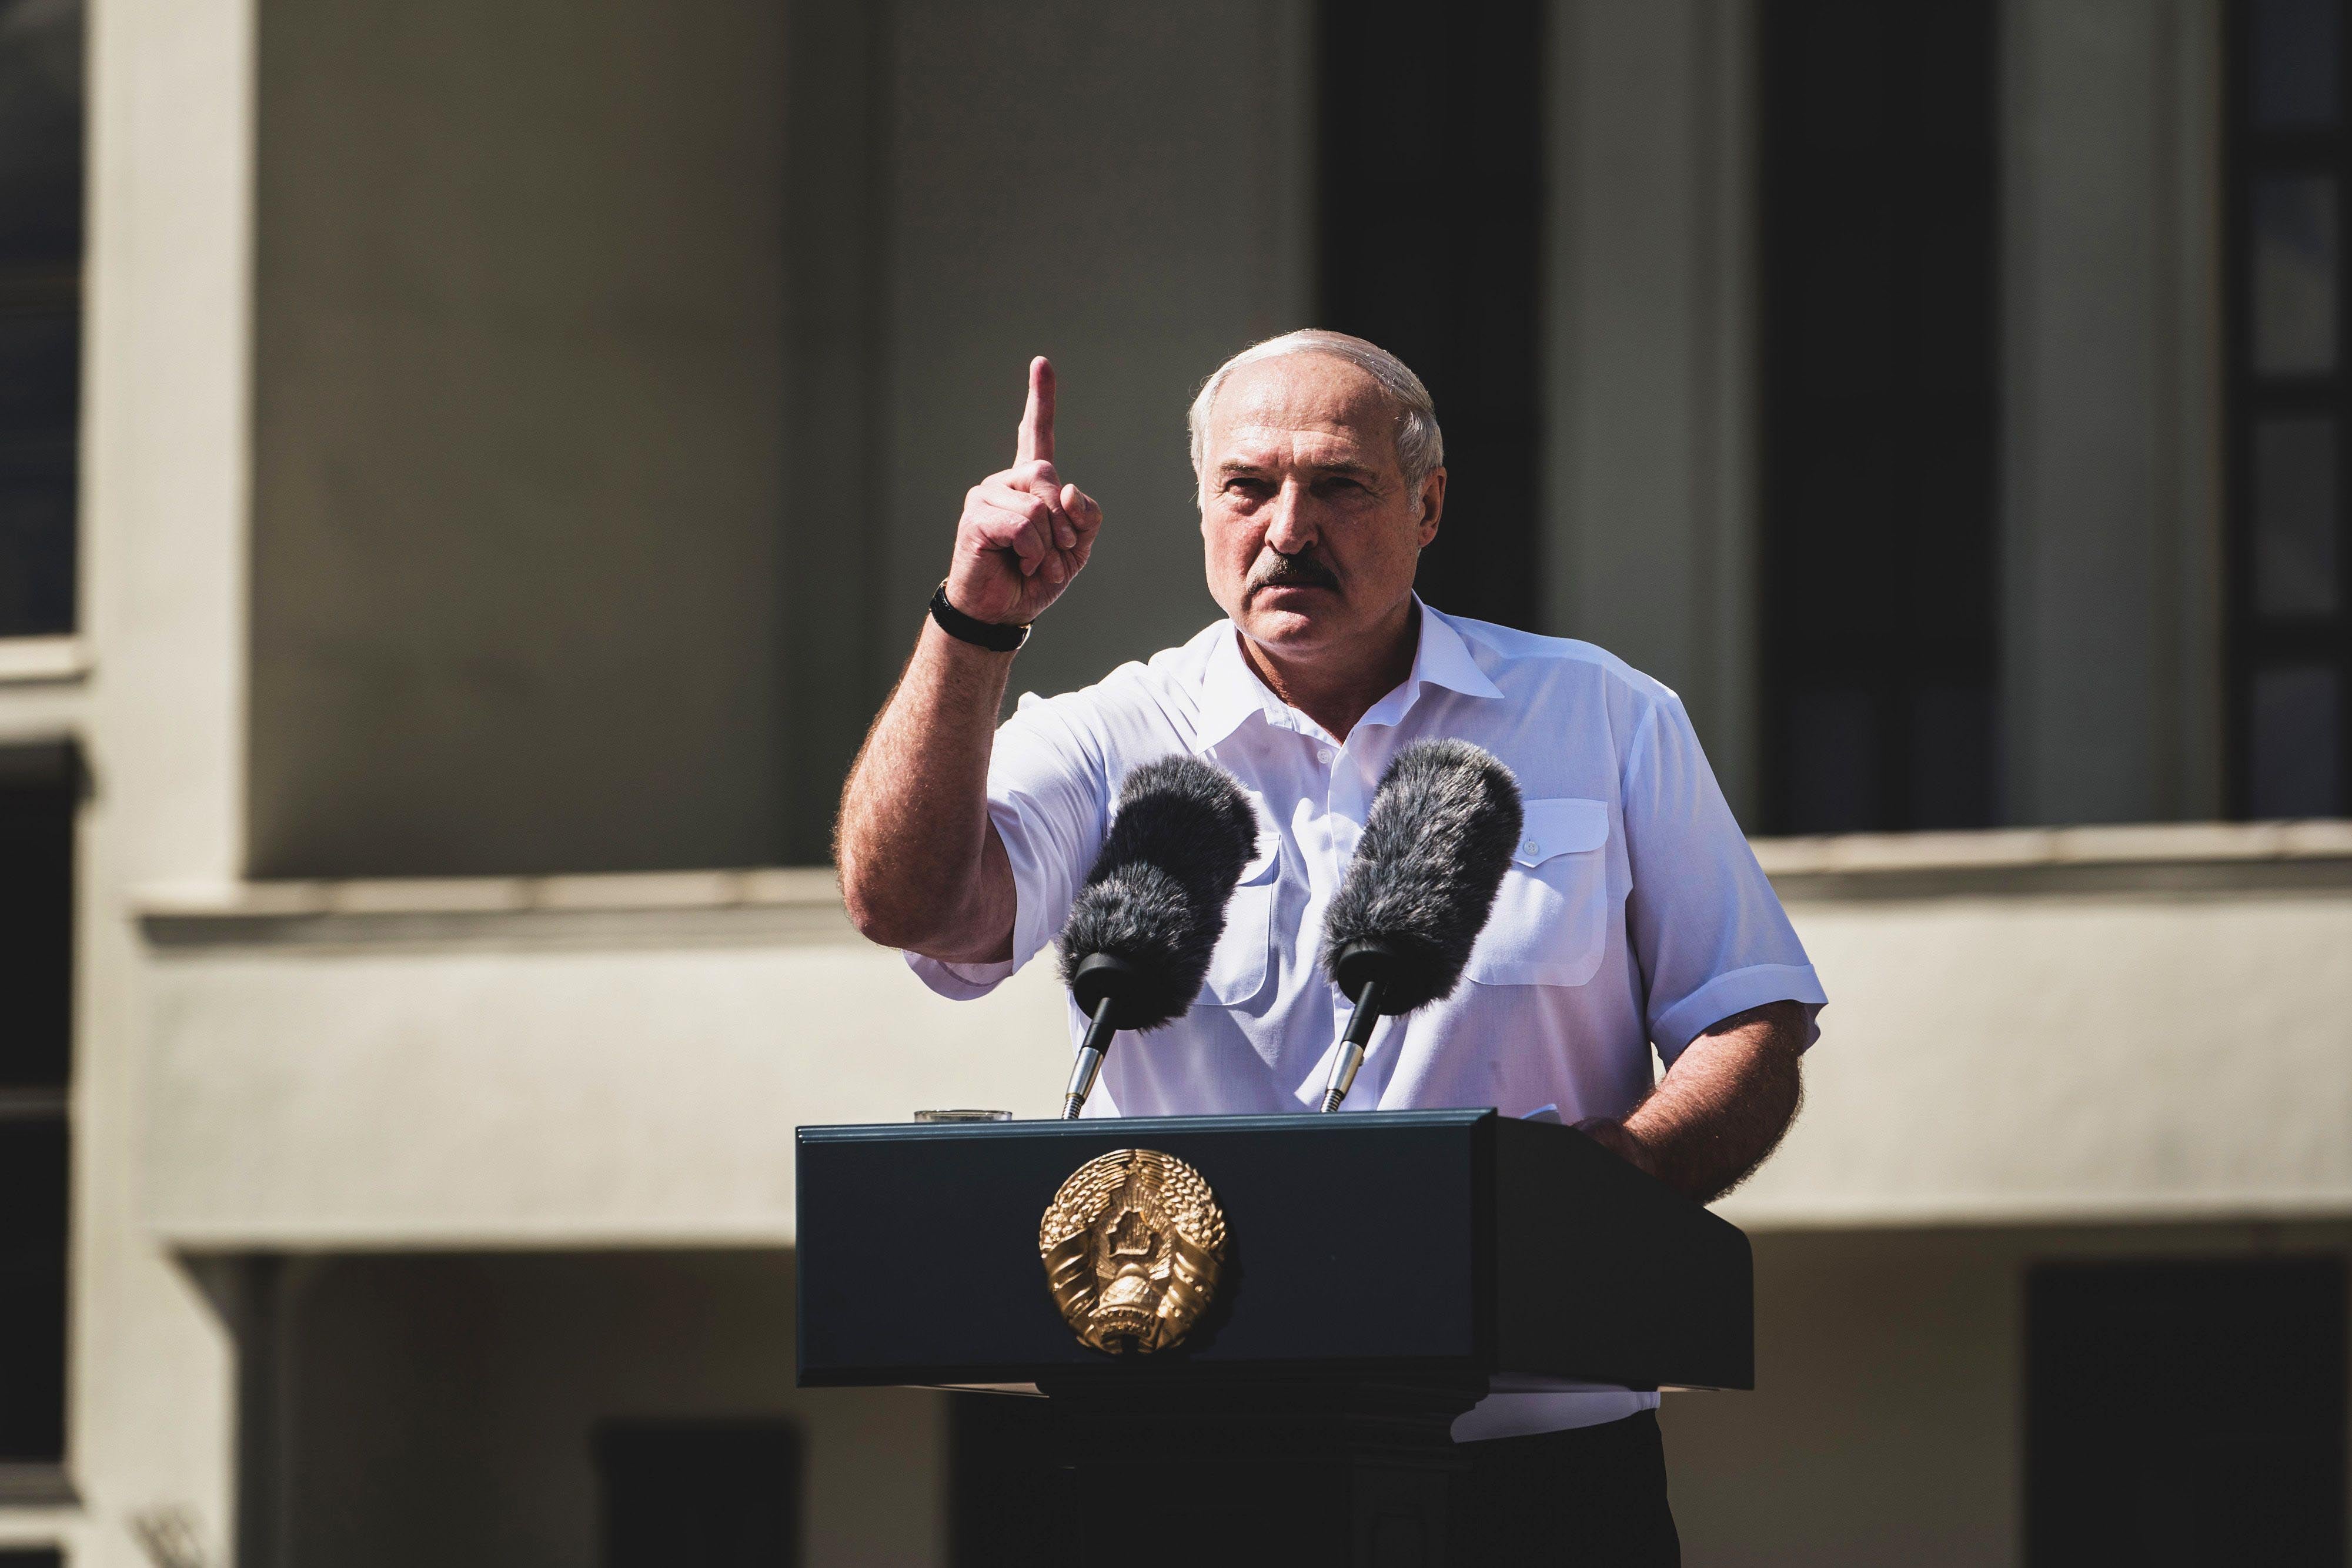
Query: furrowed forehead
[(1301, 410)]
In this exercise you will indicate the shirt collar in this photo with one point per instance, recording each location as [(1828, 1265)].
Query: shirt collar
[(1445, 659), (1231, 691)]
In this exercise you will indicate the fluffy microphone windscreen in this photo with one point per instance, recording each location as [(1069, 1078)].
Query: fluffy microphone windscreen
[(1436, 842), (1157, 895)]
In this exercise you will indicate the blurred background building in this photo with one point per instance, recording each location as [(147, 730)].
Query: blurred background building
[(468, 473)]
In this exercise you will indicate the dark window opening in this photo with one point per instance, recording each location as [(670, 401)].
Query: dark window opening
[(1879, 606), (38, 788), (2290, 550), (41, 137), (38, 797), (38, 1557), (1439, 111), (716, 1494), (33, 1155), (2186, 1413)]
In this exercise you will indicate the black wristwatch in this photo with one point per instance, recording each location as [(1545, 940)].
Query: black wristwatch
[(988, 634)]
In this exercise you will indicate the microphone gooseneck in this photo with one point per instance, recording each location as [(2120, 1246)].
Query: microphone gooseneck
[(1354, 1044), (1136, 947), (1436, 842), (1090, 1059)]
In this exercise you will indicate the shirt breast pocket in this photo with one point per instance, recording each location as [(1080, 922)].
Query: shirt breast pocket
[(1551, 924), (1244, 954)]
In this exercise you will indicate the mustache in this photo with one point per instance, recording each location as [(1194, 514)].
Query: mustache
[(1300, 570)]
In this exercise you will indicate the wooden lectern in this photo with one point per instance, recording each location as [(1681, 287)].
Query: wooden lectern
[(1379, 1273)]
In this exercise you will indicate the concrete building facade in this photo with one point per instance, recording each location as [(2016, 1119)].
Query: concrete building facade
[(511, 448)]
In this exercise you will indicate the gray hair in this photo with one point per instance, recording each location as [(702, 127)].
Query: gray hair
[(1420, 445)]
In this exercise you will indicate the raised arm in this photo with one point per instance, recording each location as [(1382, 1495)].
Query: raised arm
[(921, 866)]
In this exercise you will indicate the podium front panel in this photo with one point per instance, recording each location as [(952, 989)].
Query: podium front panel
[(1350, 1240)]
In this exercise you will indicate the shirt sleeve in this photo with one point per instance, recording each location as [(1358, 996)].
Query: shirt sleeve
[(1049, 800), (1706, 928)]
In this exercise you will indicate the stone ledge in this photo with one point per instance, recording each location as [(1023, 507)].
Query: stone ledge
[(805, 901), (2155, 857), (44, 661), (2135, 843), (786, 886), (786, 903)]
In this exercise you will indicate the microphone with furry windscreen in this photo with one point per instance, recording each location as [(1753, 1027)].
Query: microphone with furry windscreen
[(1436, 842), (1137, 945)]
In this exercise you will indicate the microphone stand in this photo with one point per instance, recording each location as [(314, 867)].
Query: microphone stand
[(1351, 1045)]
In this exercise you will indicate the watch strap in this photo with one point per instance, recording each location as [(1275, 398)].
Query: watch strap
[(991, 635)]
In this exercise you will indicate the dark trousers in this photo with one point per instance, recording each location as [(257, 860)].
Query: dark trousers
[(1595, 1497)]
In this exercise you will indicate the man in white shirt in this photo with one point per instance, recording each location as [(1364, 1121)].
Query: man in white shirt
[(1633, 913)]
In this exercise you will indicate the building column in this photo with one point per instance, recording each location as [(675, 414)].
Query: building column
[(2110, 423), (166, 460), (1649, 353)]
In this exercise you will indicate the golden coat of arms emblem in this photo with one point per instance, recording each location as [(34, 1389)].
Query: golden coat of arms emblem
[(1132, 1244)]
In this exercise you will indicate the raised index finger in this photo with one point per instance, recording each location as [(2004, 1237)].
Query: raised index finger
[(1036, 441)]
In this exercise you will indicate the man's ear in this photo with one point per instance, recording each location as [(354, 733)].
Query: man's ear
[(1433, 505)]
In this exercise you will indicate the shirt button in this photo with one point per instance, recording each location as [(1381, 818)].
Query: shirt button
[(1530, 847), (1323, 754)]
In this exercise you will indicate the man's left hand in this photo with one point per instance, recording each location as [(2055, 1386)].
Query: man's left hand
[(1721, 1107), (1611, 1134)]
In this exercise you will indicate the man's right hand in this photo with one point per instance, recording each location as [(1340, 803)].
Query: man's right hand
[(921, 865), (1024, 534)]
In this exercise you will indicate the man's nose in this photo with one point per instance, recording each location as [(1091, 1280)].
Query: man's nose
[(1291, 527)]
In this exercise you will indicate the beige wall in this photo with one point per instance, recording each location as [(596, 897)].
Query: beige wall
[(440, 1408), (2154, 1038), (620, 1060), (1888, 1416), (519, 446), (620, 373), (600, 1074)]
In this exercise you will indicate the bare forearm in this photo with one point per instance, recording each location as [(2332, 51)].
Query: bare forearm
[(920, 866), (1721, 1108)]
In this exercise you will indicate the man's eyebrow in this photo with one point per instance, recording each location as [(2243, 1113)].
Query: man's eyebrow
[(1344, 470)]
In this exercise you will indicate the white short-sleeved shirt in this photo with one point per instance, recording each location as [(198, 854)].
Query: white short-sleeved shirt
[(1633, 912)]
